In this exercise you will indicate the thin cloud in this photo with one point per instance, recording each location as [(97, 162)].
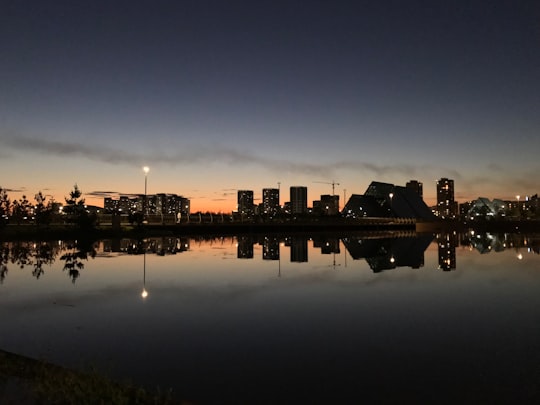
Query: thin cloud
[(103, 193), (199, 154), (113, 194), (468, 183), (13, 190)]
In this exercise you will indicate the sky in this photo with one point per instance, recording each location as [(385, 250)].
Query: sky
[(217, 96)]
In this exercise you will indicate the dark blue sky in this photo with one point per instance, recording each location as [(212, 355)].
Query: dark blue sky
[(217, 95)]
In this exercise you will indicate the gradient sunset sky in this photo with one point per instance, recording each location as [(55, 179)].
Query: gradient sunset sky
[(216, 96)]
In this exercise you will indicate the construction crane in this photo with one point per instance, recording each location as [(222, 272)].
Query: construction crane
[(333, 183)]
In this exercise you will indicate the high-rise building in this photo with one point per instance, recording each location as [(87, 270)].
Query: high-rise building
[(159, 204), (270, 201), (446, 206), (329, 204), (415, 186), (298, 200), (245, 202)]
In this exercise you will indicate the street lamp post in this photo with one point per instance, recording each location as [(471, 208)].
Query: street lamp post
[(146, 169), (391, 195)]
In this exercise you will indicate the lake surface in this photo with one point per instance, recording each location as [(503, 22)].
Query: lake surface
[(349, 318)]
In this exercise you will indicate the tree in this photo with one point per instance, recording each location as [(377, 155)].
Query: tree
[(43, 213), (75, 210), (21, 209), (5, 206)]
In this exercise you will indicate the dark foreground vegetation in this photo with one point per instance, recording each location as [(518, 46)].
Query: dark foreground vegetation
[(28, 381)]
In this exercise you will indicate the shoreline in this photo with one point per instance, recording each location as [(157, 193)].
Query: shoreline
[(59, 231)]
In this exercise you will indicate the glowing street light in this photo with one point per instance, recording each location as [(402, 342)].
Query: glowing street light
[(146, 169)]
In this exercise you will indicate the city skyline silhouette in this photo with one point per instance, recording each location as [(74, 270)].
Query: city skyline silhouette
[(217, 97)]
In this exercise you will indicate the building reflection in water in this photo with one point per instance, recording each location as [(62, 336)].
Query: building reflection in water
[(270, 248), (389, 253), (447, 250), (299, 249), (381, 252), (244, 247)]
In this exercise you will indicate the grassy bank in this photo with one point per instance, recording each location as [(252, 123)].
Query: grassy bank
[(28, 381)]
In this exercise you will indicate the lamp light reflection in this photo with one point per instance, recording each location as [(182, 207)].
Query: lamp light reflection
[(144, 293)]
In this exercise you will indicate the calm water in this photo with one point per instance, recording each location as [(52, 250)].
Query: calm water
[(446, 318)]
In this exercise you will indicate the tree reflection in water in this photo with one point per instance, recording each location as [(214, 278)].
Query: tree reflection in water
[(43, 255), (40, 254), (380, 251), (23, 254), (4, 258), (77, 252)]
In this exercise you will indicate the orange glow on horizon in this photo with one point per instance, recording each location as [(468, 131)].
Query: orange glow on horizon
[(225, 205)]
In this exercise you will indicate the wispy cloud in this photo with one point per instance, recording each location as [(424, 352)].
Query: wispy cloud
[(199, 154), (191, 155), (13, 190)]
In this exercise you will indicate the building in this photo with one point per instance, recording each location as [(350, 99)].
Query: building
[(446, 205), (482, 208), (329, 204), (172, 204), (270, 201), (387, 200), (245, 203), (298, 200), (158, 204), (416, 186)]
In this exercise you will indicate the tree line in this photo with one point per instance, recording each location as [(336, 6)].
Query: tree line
[(45, 210)]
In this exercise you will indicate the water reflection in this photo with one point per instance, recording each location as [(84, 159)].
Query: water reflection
[(389, 253), (75, 253), (446, 244), (218, 321), (381, 252)]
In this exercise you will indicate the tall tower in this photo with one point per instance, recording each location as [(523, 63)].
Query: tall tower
[(446, 206), (245, 202), (298, 200), (270, 201), (415, 186)]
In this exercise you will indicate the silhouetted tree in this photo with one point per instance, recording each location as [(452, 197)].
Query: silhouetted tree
[(75, 210), (21, 210), (5, 206), (43, 213)]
